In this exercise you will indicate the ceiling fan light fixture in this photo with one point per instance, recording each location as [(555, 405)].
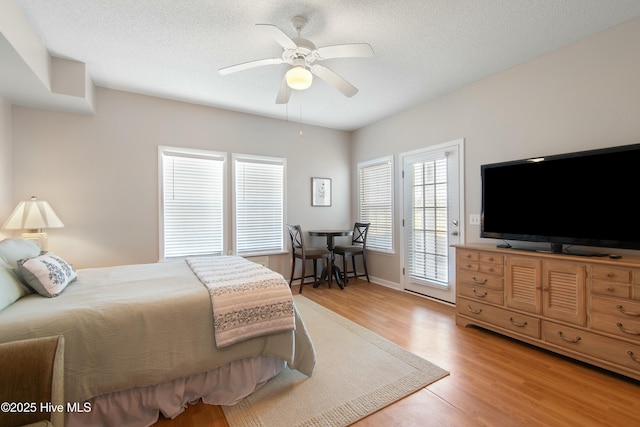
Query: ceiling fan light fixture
[(299, 78)]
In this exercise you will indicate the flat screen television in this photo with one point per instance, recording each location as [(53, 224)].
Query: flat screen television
[(588, 198)]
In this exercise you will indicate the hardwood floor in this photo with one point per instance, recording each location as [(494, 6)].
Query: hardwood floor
[(494, 381)]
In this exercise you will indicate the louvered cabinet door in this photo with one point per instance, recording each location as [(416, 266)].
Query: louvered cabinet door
[(563, 291), (523, 284)]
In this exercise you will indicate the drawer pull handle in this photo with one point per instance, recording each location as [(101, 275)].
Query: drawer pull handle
[(482, 295), (634, 358), (478, 311), (573, 341), (619, 325), (628, 313), (519, 325), (479, 281)]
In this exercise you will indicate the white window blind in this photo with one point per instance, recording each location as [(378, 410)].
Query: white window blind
[(376, 202), (429, 248), (192, 202), (259, 198)]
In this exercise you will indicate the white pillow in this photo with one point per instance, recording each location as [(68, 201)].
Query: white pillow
[(11, 289), (47, 274), (14, 249)]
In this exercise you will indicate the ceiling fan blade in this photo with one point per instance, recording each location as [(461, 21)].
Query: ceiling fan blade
[(248, 65), (334, 80), (284, 93), (278, 35), (357, 50)]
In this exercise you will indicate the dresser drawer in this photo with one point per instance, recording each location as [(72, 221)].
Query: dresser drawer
[(464, 255), (468, 265), (582, 342), (481, 280), (481, 293), (491, 258), (488, 268), (502, 318), (616, 316), (484, 262), (611, 274), (611, 289), (622, 308), (616, 325)]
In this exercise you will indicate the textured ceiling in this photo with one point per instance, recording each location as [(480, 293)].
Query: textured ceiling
[(424, 48)]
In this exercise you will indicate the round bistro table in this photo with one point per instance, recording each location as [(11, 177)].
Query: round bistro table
[(330, 235)]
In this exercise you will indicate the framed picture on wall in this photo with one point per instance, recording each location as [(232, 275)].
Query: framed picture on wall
[(320, 191)]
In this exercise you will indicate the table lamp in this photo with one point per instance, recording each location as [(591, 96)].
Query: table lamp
[(33, 215)]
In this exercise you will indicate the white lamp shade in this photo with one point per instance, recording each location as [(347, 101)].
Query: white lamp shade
[(299, 78), (33, 215)]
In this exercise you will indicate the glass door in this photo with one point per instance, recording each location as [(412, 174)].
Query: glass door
[(431, 220)]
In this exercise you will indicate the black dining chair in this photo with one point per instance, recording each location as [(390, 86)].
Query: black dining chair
[(303, 253), (358, 247)]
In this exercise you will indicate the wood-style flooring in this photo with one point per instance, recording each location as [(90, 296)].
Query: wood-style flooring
[(494, 381)]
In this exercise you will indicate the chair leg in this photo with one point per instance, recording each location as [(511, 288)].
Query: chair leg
[(304, 262), (364, 263), (353, 263), (315, 273), (293, 269), (329, 272), (344, 268)]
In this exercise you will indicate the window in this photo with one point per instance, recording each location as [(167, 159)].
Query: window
[(192, 202), (259, 201), (375, 190)]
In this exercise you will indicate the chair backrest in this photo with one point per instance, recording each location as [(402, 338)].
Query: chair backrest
[(360, 230), (297, 238)]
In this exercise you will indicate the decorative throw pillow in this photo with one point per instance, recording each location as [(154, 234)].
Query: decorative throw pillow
[(47, 274)]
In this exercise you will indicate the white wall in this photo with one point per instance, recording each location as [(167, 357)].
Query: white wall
[(6, 164), (580, 97), (100, 173)]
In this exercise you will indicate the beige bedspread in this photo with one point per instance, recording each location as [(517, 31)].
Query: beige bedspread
[(139, 325), (248, 299)]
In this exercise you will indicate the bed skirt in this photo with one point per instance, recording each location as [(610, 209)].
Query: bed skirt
[(141, 406)]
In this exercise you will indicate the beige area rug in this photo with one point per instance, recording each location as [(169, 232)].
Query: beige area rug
[(357, 372)]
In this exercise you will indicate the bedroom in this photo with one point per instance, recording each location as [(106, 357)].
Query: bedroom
[(582, 96)]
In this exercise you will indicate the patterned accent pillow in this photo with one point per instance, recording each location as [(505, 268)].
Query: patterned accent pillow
[(47, 274)]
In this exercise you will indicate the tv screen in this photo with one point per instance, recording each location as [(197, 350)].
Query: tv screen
[(587, 198)]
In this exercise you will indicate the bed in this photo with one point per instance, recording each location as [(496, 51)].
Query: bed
[(140, 339)]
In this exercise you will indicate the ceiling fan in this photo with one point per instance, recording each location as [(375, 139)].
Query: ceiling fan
[(302, 55)]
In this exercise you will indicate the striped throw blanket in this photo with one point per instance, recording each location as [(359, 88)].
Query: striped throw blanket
[(248, 299)]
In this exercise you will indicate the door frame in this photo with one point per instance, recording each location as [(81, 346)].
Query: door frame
[(459, 145)]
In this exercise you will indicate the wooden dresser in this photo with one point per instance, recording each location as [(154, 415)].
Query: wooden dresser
[(587, 308)]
